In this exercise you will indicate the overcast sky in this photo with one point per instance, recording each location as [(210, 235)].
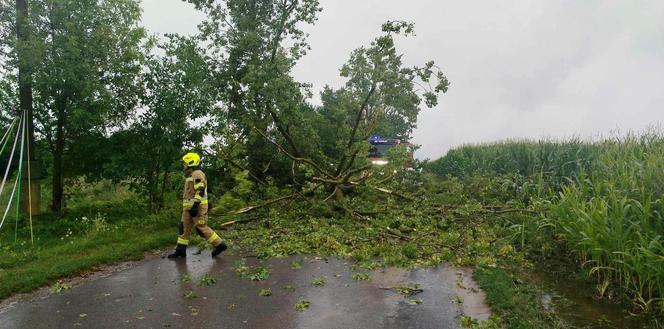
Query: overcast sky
[(519, 69)]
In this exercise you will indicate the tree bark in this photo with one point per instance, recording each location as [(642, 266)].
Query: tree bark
[(58, 161), (164, 185)]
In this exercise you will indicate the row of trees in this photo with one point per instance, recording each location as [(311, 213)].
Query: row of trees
[(112, 101)]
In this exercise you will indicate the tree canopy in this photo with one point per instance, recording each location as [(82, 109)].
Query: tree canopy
[(113, 102)]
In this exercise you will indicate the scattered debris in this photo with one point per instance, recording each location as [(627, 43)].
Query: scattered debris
[(296, 265), (468, 322), (361, 276), (207, 280), (59, 286), (194, 311), (408, 290), (265, 292), (302, 304), (257, 274), (260, 274), (318, 282)]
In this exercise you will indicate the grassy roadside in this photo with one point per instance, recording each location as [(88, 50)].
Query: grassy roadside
[(518, 303), (36, 268)]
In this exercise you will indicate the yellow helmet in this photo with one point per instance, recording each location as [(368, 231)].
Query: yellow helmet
[(192, 159)]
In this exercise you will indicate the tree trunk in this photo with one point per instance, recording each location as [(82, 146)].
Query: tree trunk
[(58, 161), (164, 184), (31, 188)]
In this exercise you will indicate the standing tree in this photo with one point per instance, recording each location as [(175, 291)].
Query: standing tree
[(89, 56), (177, 98), (252, 67)]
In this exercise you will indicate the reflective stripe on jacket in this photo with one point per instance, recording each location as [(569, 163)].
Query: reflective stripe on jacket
[(195, 189)]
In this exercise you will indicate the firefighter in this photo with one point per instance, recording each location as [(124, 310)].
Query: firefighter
[(195, 209)]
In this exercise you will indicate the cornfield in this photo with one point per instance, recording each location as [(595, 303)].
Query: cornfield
[(606, 200)]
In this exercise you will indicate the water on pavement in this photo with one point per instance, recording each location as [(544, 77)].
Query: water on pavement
[(152, 295)]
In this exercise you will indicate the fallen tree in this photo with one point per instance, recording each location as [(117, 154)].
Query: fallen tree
[(269, 128)]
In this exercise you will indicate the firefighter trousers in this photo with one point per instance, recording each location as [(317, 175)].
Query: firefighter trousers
[(199, 223)]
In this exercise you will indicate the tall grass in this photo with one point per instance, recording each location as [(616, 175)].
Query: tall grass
[(555, 161), (606, 199)]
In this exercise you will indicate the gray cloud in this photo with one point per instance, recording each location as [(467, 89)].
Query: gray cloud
[(519, 69)]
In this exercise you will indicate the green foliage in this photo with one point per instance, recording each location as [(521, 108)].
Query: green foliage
[(25, 268), (241, 268), (175, 92), (84, 60), (379, 83), (554, 162), (190, 295), (228, 204), (243, 186), (401, 234), (517, 303), (264, 292), (611, 218), (302, 304), (206, 280), (469, 322), (409, 250), (259, 42), (409, 289), (59, 286), (318, 282), (603, 203), (185, 278), (258, 273), (360, 276), (296, 265)]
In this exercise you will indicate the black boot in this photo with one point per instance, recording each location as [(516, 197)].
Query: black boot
[(219, 249), (180, 252)]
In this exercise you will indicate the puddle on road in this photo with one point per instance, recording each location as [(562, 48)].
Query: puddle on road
[(572, 300)]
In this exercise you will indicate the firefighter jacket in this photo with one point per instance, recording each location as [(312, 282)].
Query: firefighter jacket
[(195, 190)]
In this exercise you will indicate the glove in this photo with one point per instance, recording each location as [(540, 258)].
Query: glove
[(193, 212)]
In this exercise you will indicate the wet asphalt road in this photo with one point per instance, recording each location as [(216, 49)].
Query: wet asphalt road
[(151, 295)]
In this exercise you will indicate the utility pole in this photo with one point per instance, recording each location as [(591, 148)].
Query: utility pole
[(31, 191)]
